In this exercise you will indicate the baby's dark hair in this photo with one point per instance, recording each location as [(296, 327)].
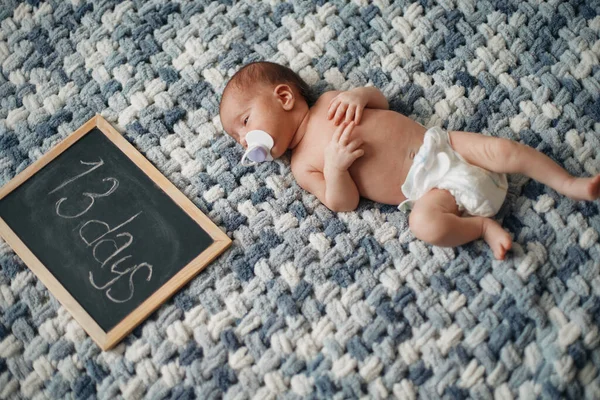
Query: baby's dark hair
[(272, 73)]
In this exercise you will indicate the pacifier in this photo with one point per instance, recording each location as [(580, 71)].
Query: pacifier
[(260, 144)]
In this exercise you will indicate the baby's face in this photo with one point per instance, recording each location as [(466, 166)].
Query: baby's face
[(242, 112)]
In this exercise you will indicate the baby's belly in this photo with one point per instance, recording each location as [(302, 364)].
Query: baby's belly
[(380, 178), (390, 141)]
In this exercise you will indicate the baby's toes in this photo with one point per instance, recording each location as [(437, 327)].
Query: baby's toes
[(502, 246), (595, 187), (506, 245)]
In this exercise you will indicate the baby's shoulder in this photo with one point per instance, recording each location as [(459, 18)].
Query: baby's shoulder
[(320, 107), (326, 97)]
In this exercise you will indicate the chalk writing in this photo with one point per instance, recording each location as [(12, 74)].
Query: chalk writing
[(136, 269), (95, 221), (88, 233), (65, 183), (114, 243), (91, 196)]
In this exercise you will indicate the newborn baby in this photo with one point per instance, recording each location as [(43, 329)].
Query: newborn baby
[(348, 144)]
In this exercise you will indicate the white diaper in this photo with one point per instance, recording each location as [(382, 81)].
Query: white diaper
[(436, 165)]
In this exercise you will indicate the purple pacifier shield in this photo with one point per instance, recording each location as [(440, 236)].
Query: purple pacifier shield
[(257, 154)]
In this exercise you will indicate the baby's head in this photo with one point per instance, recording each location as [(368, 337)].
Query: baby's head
[(268, 97)]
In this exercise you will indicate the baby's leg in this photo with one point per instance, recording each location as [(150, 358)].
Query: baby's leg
[(435, 219), (507, 156)]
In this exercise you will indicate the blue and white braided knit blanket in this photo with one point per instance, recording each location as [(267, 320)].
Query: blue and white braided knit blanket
[(308, 303)]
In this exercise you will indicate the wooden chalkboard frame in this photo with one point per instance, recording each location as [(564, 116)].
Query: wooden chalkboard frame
[(106, 340)]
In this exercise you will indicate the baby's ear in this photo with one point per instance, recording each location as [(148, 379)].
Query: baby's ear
[(285, 95)]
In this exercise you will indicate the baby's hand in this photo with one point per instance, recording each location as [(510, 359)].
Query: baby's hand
[(346, 106), (343, 150)]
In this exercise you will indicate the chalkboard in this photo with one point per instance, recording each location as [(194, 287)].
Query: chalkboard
[(111, 231)]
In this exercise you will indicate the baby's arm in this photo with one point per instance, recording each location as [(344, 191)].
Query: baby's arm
[(373, 97), (348, 106), (334, 186)]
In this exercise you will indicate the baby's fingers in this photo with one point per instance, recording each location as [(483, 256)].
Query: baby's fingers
[(339, 114), (357, 153), (338, 132), (358, 115), (346, 133), (350, 112), (354, 144), (333, 105)]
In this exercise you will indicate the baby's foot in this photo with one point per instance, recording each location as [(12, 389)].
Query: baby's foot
[(583, 188), (498, 239)]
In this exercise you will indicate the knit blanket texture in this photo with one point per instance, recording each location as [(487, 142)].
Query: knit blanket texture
[(309, 303)]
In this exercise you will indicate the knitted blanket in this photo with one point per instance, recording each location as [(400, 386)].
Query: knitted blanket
[(308, 303)]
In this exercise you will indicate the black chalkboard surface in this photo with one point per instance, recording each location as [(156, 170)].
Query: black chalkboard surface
[(103, 228)]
